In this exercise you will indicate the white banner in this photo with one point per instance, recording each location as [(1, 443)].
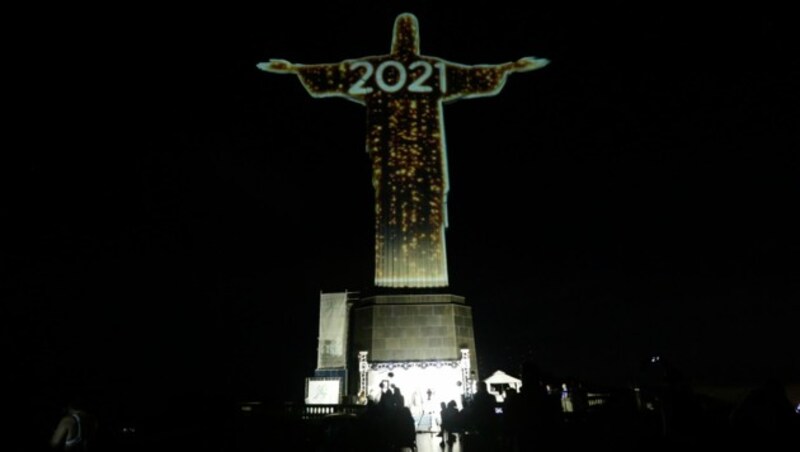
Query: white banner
[(331, 351)]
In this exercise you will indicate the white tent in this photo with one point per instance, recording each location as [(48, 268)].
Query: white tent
[(499, 382)]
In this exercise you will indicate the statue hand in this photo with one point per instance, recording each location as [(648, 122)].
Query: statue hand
[(526, 64), (277, 66)]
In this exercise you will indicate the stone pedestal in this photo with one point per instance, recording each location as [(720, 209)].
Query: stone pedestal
[(419, 331)]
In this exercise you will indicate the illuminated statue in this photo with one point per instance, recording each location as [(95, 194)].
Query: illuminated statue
[(403, 92)]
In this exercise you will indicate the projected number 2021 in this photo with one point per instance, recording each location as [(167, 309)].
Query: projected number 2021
[(411, 79)]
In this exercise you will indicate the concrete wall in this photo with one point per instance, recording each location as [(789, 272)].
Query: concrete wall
[(425, 327)]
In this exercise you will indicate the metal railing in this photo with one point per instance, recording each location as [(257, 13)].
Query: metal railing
[(308, 411)]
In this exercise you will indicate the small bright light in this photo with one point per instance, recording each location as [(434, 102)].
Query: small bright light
[(655, 359)]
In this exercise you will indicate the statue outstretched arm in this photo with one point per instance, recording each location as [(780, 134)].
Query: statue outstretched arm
[(485, 79), (320, 80), (527, 64), (278, 66)]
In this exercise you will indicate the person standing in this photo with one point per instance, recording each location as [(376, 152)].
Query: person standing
[(76, 430)]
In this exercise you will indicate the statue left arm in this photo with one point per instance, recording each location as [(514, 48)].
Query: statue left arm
[(527, 64), (320, 80), (484, 79)]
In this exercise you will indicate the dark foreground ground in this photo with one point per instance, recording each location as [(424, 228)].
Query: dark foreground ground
[(624, 421)]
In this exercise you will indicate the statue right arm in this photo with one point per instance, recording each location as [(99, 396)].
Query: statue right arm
[(278, 66), (320, 80)]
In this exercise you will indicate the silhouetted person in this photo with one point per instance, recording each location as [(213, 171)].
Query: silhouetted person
[(481, 420), (566, 399), (540, 410), (766, 414), (511, 426), (580, 400), (450, 422), (442, 415), (405, 432), (399, 401), (670, 398), (76, 431), (371, 425), (387, 400)]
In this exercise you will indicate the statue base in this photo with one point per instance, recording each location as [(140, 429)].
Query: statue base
[(422, 343)]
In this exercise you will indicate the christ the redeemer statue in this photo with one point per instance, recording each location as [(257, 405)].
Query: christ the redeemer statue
[(404, 92)]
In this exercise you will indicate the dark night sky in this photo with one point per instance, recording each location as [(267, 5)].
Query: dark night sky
[(179, 210)]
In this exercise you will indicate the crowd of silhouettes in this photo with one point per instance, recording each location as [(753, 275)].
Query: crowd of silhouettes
[(387, 424), (659, 410)]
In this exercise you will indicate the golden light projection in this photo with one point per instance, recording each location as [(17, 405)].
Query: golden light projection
[(404, 92)]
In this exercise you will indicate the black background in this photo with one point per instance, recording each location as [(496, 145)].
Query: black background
[(176, 211)]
